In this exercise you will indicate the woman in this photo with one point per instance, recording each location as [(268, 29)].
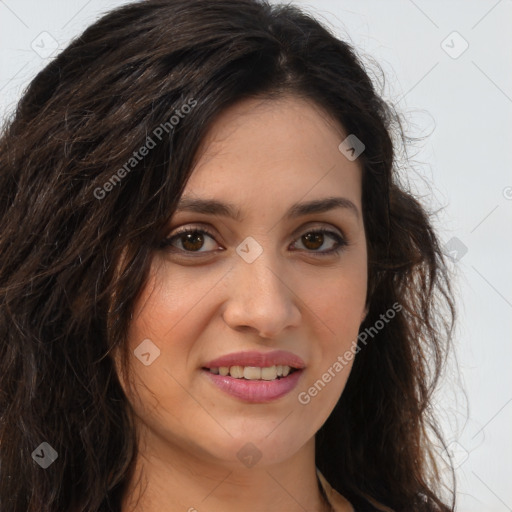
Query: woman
[(216, 295)]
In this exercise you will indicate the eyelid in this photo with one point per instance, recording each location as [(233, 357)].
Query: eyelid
[(318, 226), (208, 229)]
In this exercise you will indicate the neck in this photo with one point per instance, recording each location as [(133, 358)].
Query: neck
[(171, 478)]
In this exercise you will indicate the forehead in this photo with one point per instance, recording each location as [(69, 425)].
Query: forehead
[(278, 149)]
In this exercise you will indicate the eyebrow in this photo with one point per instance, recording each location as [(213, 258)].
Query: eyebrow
[(214, 207)]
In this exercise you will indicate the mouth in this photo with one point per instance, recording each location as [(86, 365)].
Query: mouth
[(267, 373), (255, 377)]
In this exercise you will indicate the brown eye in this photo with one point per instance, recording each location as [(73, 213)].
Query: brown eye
[(192, 241), (314, 240), (189, 240)]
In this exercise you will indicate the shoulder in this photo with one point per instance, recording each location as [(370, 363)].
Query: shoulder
[(341, 504), (337, 501)]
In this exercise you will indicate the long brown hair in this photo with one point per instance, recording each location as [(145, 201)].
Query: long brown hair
[(77, 234)]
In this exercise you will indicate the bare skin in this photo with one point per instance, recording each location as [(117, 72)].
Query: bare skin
[(263, 156)]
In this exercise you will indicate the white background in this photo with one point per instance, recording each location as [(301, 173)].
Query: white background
[(462, 108)]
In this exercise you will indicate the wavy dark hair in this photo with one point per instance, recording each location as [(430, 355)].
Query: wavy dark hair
[(74, 258)]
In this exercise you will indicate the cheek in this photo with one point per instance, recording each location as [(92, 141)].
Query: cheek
[(339, 301), (173, 311), (168, 311), (158, 392), (339, 316), (337, 310)]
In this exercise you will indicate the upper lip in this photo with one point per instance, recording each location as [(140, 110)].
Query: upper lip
[(261, 359)]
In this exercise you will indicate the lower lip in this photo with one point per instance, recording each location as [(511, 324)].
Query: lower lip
[(256, 391)]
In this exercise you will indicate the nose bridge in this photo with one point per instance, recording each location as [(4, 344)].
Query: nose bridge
[(259, 296)]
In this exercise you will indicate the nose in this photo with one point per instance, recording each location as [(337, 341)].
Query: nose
[(261, 299)]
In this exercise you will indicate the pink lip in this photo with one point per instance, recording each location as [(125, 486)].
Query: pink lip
[(256, 391), (261, 359)]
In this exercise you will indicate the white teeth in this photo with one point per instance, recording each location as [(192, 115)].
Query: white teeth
[(250, 373), (269, 373), (253, 372), (236, 371)]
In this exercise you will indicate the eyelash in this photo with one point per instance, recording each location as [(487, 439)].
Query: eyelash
[(167, 242)]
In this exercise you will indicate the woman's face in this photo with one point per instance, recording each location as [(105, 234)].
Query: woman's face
[(265, 281)]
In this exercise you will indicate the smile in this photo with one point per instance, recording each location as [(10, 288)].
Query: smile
[(254, 372), (255, 389)]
